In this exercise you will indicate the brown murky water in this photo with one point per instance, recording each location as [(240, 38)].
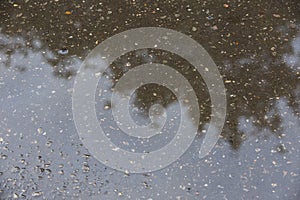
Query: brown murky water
[(256, 46)]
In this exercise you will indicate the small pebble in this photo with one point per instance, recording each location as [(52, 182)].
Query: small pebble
[(293, 25), (214, 27), (225, 5)]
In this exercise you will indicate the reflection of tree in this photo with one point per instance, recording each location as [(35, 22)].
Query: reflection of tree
[(147, 95), (253, 91), (152, 94), (247, 46), (65, 68), (19, 54)]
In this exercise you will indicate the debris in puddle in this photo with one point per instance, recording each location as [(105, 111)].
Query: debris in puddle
[(37, 194), (15, 196), (276, 15), (40, 130), (68, 12)]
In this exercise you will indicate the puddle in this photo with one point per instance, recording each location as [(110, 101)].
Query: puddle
[(256, 46)]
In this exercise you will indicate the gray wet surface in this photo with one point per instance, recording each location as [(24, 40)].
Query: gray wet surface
[(256, 46)]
